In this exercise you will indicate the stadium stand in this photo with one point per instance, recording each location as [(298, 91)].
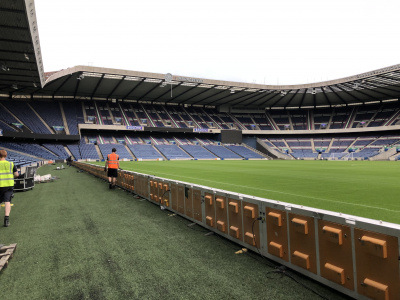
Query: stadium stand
[(49, 111), (244, 152), (23, 112), (172, 152), (222, 152), (121, 150), (198, 152), (145, 152)]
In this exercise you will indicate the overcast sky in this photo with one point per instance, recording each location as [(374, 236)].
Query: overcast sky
[(271, 42)]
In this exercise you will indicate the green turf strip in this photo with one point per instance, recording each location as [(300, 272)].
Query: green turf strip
[(361, 188), (79, 240)]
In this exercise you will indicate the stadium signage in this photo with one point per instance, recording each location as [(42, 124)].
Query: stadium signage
[(190, 79), (201, 130), (134, 127), (384, 70)]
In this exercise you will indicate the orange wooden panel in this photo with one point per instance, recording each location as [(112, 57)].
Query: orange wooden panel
[(335, 252), (277, 233), (197, 209), (251, 226), (235, 218), (302, 242), (334, 273), (221, 213), (174, 196), (181, 199), (188, 202), (210, 208), (377, 264)]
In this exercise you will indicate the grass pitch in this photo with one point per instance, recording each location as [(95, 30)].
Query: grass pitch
[(368, 189)]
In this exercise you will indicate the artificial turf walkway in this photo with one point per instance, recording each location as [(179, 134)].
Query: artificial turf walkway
[(79, 240)]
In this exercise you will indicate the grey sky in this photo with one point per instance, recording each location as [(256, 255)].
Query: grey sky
[(276, 42)]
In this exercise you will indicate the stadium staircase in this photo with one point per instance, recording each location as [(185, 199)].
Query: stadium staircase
[(269, 151), (256, 151), (130, 152), (98, 151), (64, 119), (238, 124), (385, 155)]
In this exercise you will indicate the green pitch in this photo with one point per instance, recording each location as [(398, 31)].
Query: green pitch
[(362, 188)]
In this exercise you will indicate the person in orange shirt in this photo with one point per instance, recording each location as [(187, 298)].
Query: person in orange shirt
[(112, 166)]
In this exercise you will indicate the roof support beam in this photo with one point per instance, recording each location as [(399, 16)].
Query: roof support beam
[(14, 27), (97, 85), (347, 93), (77, 85), (133, 89), (361, 92), (181, 94), (205, 91), (118, 84), (274, 95), (291, 99), (340, 98), (169, 89), (15, 41), (240, 99), (12, 10), (326, 97), (213, 96), (61, 85), (152, 89), (381, 87)]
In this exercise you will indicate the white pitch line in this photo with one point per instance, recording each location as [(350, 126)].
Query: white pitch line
[(284, 193)]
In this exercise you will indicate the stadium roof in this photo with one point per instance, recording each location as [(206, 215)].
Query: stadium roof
[(100, 83), (21, 75), (21, 67)]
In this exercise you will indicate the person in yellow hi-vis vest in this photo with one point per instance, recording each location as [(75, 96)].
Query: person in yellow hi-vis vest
[(7, 173), (112, 164)]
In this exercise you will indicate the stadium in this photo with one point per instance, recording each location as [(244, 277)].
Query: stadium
[(227, 190)]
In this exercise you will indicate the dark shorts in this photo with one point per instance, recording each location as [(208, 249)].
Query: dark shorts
[(112, 173), (6, 194)]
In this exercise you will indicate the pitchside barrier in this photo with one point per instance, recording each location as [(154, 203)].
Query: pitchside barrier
[(356, 256)]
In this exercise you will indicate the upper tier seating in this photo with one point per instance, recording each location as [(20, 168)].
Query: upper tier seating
[(27, 116), (74, 116), (49, 111), (6, 120)]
